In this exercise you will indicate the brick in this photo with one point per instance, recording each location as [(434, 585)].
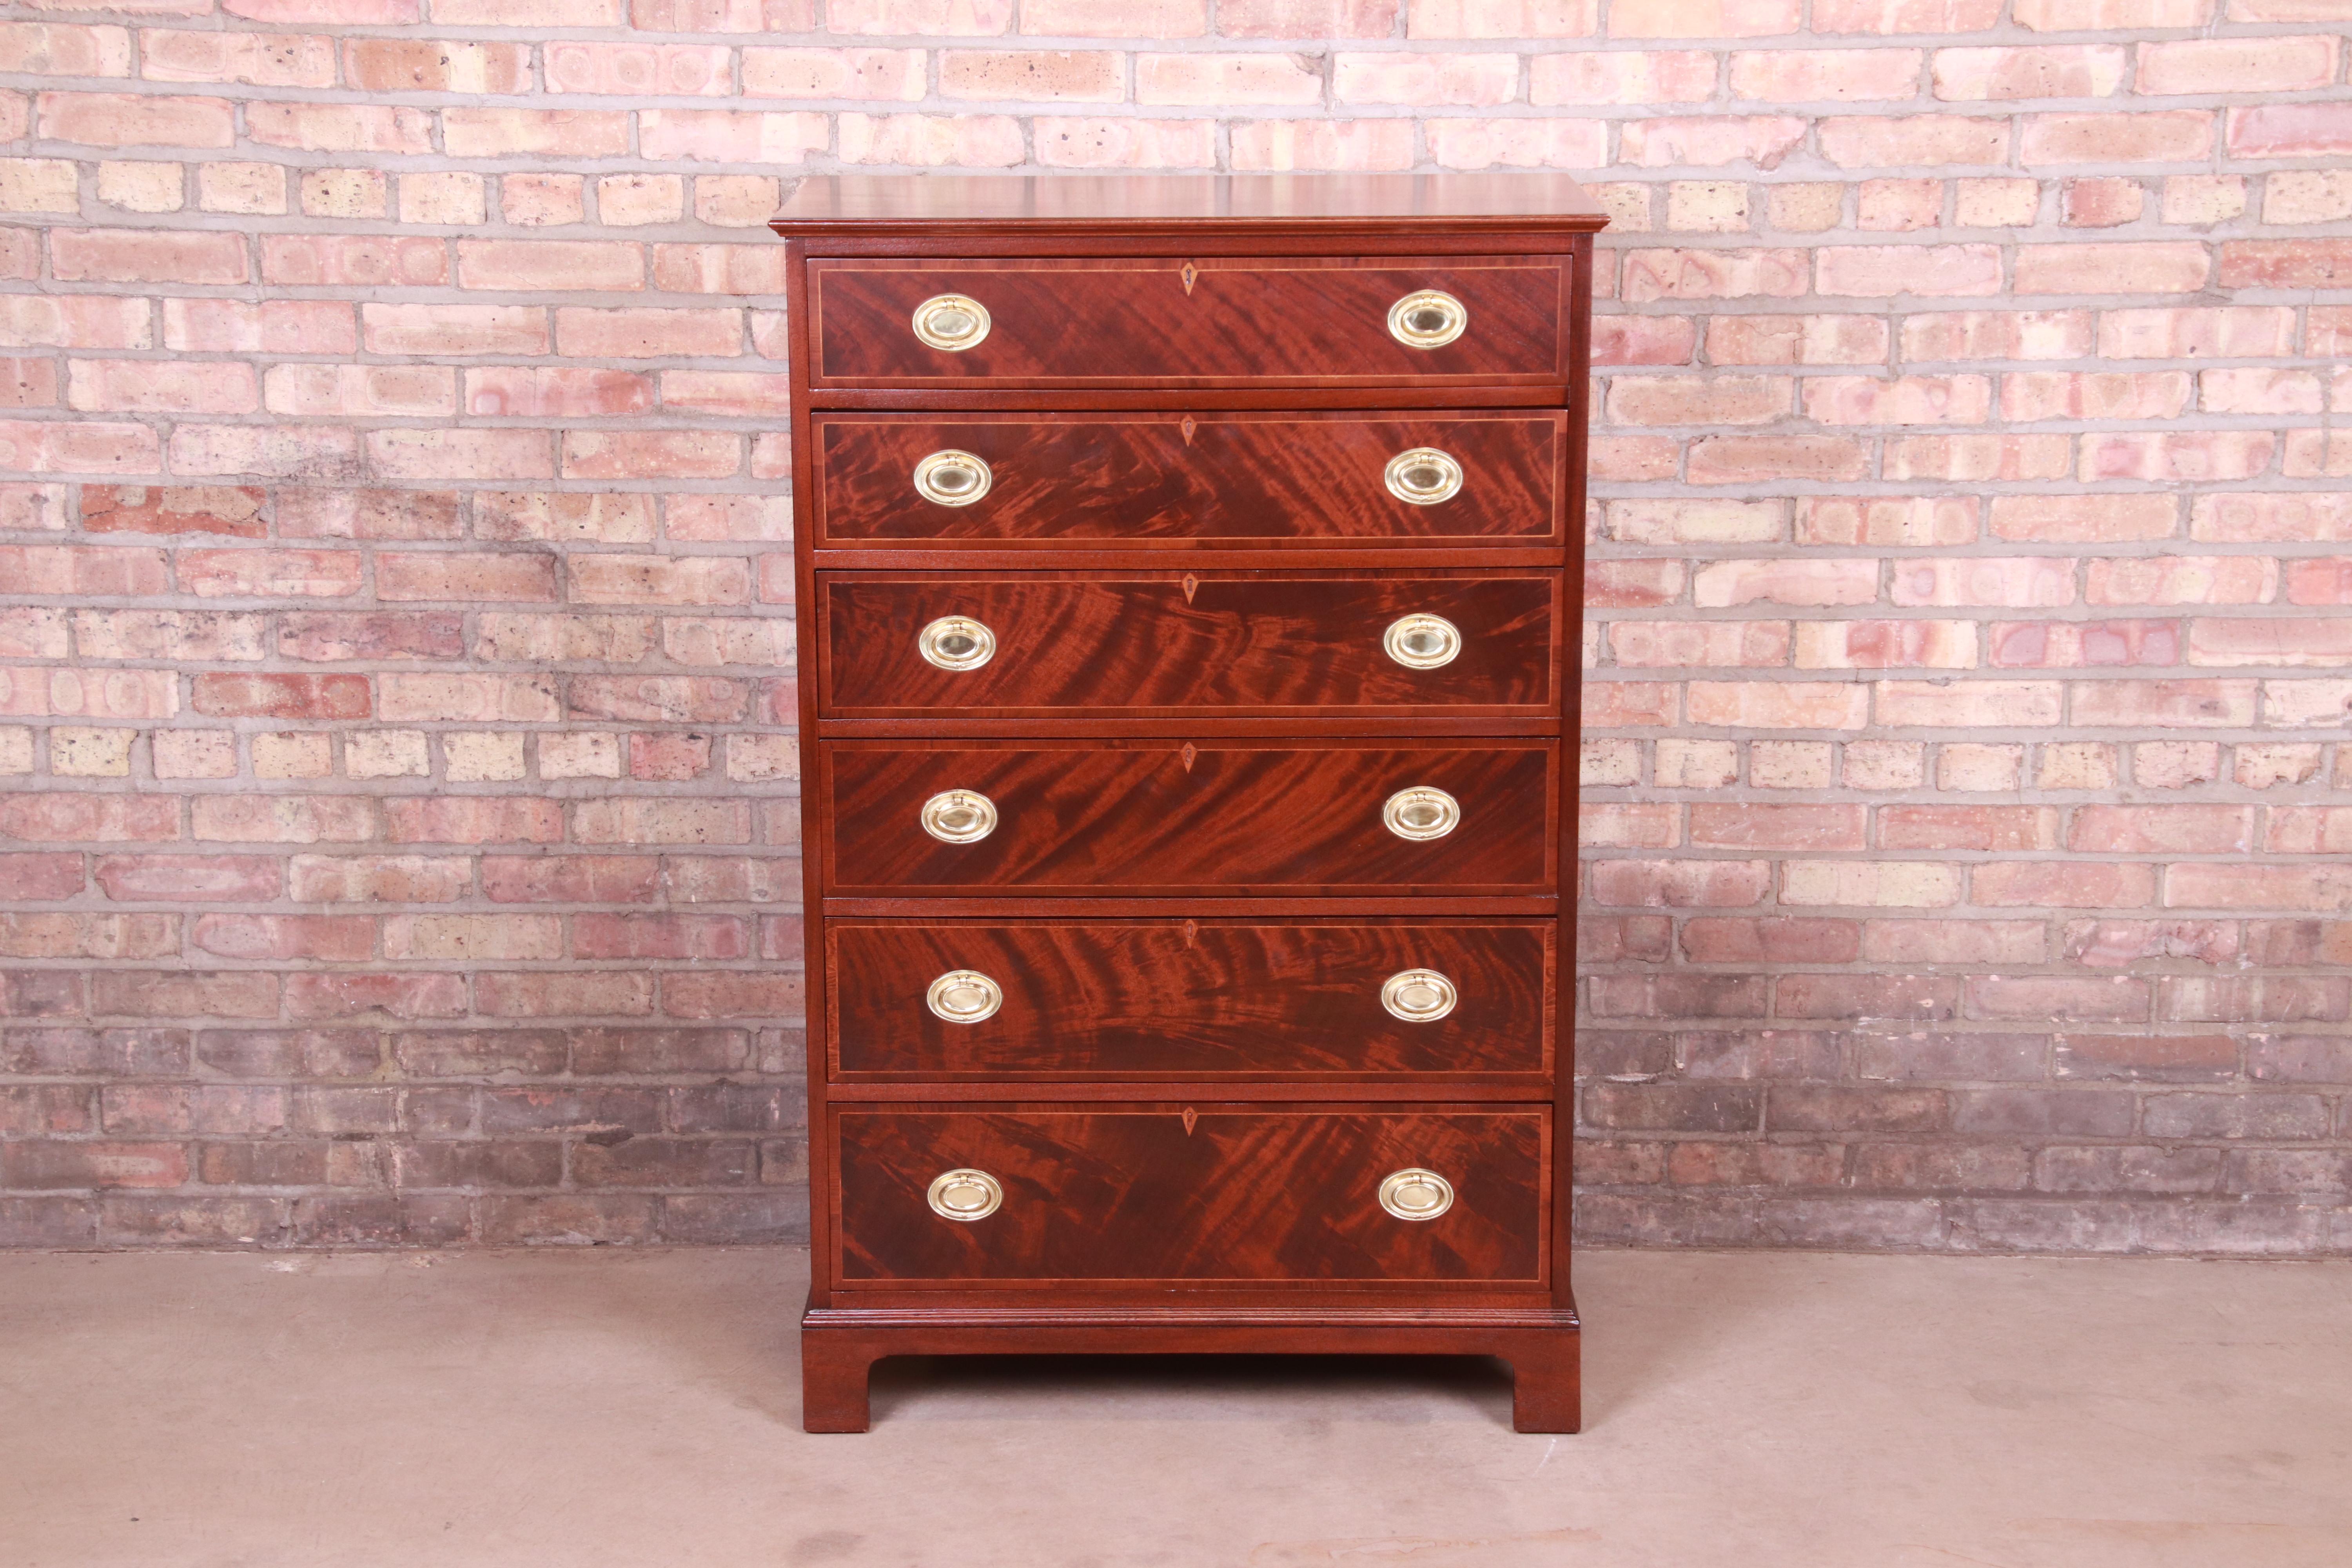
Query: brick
[(1626, 77), (146, 256), (1778, 705), (2176, 765), (2164, 704), (651, 454), (353, 260), (136, 119), (1279, 144), (2262, 1115), (1653, 275), (339, 127), (1681, 19), (2323, 643), (2183, 580), (1124, 144), (1724, 583), (2236, 65), (549, 266), (2194, 457), (1886, 271), (1979, 456), (1689, 400), (2077, 644), (283, 696), (2162, 267), (1725, 643), (2147, 1056), (737, 136), (434, 329), (2050, 70), (1720, 939), (2034, 580), (1825, 76), (2290, 129), (269, 573), (1865, 141), (2059, 884), (1899, 520), (1760, 139), (232, 511), (1904, 400), (2285, 264)]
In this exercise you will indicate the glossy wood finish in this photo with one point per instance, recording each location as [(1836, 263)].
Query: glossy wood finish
[(1127, 500), (1122, 1001), (1132, 321), (1143, 817), (1186, 481), (1143, 1194), (1071, 645)]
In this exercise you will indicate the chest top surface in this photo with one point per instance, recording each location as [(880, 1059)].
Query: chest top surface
[(875, 206)]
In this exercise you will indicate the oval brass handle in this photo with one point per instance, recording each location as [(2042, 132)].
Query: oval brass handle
[(1422, 812), (974, 1194), (952, 478), (1423, 476), (1422, 642), (958, 642), (952, 322), (1415, 1194), (959, 816), (1418, 995), (967, 997), (1427, 318)]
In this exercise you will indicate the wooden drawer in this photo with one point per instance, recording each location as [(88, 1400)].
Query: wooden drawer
[(1174, 322), (1178, 481), (1152, 817), (1169, 644), (1245, 1194), (1115, 1000)]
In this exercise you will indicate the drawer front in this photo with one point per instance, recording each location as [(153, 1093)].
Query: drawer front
[(1245, 1194), (1112, 1000), (1167, 644), (1168, 818), (1176, 481), (1173, 322)]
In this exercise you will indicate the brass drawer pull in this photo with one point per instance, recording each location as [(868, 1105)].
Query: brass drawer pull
[(1413, 1194), (959, 642), (959, 816), (1422, 812), (1429, 318), (952, 322), (1417, 996), (1423, 477), (967, 997), (969, 1195), (1421, 642), (952, 478)]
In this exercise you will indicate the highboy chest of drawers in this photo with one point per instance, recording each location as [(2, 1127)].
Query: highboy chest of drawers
[(1188, 586)]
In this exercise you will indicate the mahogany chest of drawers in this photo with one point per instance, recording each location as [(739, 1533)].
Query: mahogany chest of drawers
[(1188, 586)]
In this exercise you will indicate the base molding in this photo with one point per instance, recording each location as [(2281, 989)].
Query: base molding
[(839, 1345)]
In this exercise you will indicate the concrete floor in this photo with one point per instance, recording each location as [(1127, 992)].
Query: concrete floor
[(574, 1410)]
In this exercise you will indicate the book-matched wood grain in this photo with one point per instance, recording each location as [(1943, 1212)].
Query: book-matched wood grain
[(1127, 1000), (1176, 320), (1134, 423), (1221, 644), (1275, 1195), (1161, 818), (1184, 480)]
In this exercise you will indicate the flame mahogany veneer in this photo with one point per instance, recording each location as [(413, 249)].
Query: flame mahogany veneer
[(1189, 1093)]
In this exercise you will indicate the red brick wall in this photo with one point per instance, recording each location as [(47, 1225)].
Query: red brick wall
[(398, 815)]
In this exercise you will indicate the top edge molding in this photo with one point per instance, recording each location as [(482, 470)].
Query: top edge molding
[(910, 205)]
